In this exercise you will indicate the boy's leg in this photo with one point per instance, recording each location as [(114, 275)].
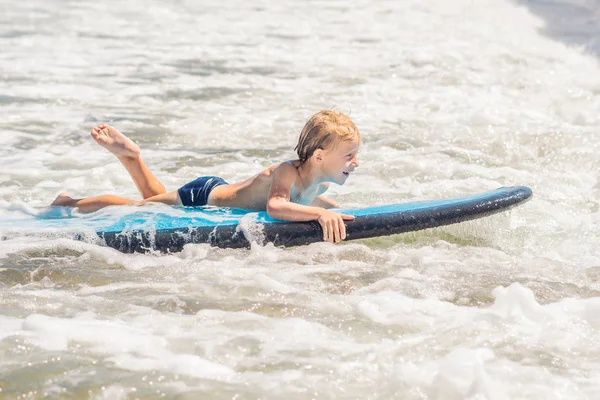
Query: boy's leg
[(91, 204), (170, 199), (129, 154), (148, 185)]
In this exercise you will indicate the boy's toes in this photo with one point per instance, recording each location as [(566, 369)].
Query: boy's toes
[(99, 130)]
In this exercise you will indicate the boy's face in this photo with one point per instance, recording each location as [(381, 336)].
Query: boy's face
[(341, 160)]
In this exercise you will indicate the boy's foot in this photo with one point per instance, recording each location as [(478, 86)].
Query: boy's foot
[(115, 142), (63, 200)]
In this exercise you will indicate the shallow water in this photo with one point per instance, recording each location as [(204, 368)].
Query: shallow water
[(451, 99)]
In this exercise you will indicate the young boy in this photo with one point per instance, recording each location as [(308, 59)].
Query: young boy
[(292, 190)]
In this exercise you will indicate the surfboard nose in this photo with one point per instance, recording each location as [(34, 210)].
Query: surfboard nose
[(518, 194)]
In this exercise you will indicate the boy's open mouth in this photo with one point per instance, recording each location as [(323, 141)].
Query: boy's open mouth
[(346, 173)]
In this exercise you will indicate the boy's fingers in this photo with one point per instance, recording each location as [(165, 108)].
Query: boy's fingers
[(336, 231), (324, 226)]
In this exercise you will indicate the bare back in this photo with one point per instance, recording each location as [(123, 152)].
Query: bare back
[(253, 193)]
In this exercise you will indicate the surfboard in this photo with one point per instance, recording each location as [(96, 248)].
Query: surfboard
[(143, 231)]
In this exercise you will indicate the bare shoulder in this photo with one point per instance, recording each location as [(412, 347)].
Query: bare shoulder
[(283, 179), (286, 170), (286, 166)]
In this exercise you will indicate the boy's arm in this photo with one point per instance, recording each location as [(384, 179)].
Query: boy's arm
[(324, 202), (279, 206)]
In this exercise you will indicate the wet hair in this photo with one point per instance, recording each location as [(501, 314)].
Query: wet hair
[(323, 130)]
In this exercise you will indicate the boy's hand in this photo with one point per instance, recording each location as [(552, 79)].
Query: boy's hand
[(333, 226)]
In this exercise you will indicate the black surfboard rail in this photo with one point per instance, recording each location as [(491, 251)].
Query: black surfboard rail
[(303, 233)]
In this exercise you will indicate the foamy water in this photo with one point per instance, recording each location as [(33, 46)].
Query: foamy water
[(452, 98)]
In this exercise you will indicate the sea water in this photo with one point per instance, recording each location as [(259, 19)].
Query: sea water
[(451, 97)]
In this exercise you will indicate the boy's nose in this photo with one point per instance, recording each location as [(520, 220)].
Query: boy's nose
[(356, 163)]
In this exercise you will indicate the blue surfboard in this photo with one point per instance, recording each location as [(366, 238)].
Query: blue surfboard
[(141, 231)]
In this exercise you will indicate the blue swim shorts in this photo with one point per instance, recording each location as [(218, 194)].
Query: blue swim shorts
[(195, 193)]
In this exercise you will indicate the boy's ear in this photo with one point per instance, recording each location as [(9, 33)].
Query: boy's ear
[(318, 155)]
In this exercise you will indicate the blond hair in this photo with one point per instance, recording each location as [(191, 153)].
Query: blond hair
[(324, 129)]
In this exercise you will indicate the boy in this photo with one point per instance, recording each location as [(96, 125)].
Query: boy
[(291, 190)]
